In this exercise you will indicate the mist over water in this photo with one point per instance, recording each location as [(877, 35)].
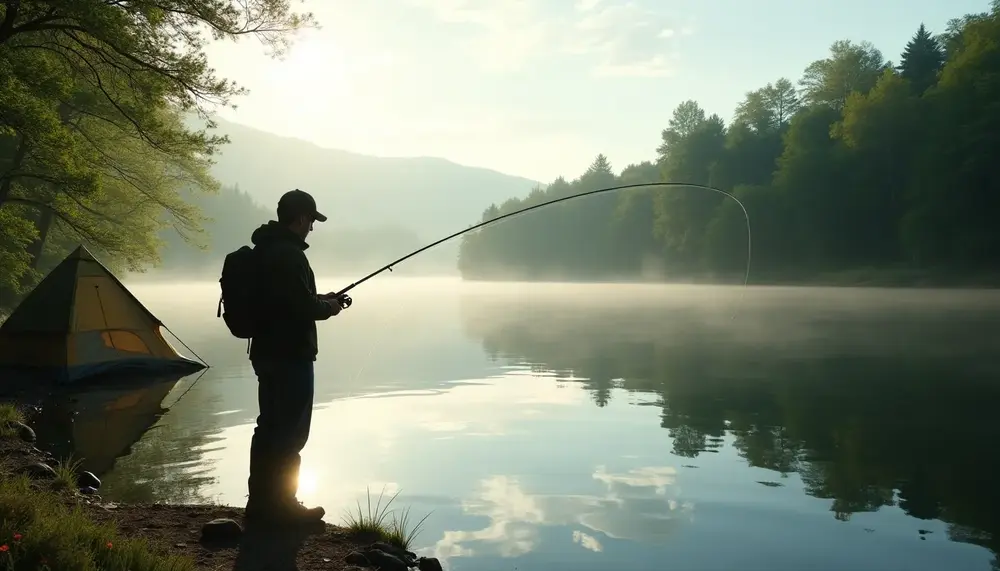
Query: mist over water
[(620, 426)]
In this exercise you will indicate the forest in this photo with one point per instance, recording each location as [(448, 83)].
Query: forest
[(93, 143), (864, 167)]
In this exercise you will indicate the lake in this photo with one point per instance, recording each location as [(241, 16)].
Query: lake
[(626, 427)]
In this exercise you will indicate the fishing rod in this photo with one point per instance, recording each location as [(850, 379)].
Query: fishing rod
[(345, 300)]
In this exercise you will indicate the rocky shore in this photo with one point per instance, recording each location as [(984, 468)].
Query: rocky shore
[(209, 537)]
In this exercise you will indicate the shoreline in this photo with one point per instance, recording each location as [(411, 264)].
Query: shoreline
[(860, 278), (166, 537)]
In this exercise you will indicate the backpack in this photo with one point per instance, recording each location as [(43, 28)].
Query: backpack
[(238, 303)]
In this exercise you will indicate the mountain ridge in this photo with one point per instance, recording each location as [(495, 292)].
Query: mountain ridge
[(428, 195)]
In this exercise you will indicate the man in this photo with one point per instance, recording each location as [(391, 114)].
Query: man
[(283, 352)]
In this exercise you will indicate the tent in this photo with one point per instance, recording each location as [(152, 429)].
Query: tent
[(81, 323)]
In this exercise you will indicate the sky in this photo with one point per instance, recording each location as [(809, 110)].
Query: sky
[(538, 88)]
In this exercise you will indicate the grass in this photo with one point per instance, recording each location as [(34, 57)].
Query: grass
[(66, 474), (9, 414), (39, 532), (383, 523)]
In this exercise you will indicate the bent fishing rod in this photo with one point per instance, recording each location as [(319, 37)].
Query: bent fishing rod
[(346, 300)]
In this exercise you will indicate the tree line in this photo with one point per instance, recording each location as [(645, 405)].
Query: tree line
[(93, 143), (863, 165)]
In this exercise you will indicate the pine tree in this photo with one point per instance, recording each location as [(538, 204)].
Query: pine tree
[(600, 165), (922, 60)]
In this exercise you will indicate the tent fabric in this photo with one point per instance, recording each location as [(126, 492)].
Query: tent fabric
[(81, 322)]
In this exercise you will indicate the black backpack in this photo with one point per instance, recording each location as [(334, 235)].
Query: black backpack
[(239, 284)]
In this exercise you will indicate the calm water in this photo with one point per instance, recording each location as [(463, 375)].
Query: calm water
[(622, 427)]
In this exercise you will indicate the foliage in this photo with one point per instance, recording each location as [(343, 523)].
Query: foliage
[(67, 471), (40, 532), (9, 415), (382, 524), (93, 147), (870, 165)]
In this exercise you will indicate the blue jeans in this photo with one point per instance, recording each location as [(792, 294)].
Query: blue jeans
[(285, 397)]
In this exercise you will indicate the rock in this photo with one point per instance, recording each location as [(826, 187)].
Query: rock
[(88, 490), (221, 530), (39, 471), (24, 432), (399, 553), (88, 480), (356, 558), (376, 559), (384, 561), (429, 564)]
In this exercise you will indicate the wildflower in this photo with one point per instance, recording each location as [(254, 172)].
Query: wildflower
[(17, 537), (4, 548), (109, 545)]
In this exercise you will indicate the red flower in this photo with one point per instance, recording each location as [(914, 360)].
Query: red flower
[(109, 545), (4, 548), (17, 537)]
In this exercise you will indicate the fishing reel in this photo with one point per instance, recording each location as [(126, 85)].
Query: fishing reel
[(344, 300)]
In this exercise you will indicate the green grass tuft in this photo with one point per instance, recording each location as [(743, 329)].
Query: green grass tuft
[(383, 524), (401, 532), (42, 533), (66, 473), (9, 414)]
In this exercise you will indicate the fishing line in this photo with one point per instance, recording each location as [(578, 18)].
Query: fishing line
[(390, 265)]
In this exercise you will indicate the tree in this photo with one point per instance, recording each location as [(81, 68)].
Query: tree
[(874, 169), (882, 131), (91, 138), (922, 60), (133, 60), (770, 107), (850, 67), (687, 117)]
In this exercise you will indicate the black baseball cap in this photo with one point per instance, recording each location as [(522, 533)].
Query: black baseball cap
[(297, 203)]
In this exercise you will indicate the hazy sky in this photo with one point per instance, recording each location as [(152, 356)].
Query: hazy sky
[(539, 87)]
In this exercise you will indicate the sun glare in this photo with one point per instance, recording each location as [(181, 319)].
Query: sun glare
[(314, 68), (308, 482)]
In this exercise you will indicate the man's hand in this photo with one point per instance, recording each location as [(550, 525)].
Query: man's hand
[(342, 302), (334, 305)]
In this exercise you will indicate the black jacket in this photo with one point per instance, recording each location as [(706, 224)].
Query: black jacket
[(288, 305)]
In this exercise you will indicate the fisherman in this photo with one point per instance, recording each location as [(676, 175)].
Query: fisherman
[(283, 352)]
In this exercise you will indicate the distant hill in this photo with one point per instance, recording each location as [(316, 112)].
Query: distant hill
[(379, 208), (429, 196)]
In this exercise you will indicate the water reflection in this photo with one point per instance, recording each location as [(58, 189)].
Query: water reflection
[(875, 399), (101, 423), (770, 428)]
